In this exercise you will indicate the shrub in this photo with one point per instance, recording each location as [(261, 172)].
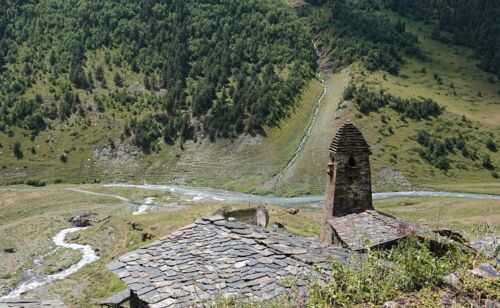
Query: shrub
[(487, 162), (18, 153), (384, 275), (491, 145), (35, 183)]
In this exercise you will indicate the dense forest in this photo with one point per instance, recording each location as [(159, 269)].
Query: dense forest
[(473, 23), (216, 68), (352, 31)]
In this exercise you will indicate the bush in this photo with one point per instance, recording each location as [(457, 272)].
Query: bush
[(487, 162), (18, 153), (35, 183), (384, 275), (367, 101), (491, 145)]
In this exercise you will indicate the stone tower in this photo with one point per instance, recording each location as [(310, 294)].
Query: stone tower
[(349, 179)]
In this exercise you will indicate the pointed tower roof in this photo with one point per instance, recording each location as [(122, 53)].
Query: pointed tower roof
[(349, 139)]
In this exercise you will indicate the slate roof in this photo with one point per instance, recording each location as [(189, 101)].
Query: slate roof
[(369, 227), (215, 256), (116, 299), (349, 139)]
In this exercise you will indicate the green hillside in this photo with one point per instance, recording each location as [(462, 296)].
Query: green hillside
[(146, 77), (431, 115), (221, 93)]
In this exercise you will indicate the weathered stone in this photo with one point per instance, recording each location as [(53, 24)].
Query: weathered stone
[(453, 281), (205, 260), (485, 271), (278, 224), (454, 235), (234, 225), (390, 304), (293, 211), (288, 249), (82, 219), (241, 264)]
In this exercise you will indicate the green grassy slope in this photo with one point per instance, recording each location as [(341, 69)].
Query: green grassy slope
[(96, 151), (241, 163), (471, 99)]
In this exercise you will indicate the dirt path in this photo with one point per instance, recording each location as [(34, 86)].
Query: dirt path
[(305, 169), (101, 194), (277, 179)]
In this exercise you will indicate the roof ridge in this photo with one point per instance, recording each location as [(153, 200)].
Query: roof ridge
[(348, 138)]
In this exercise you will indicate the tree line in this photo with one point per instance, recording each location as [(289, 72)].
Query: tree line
[(353, 30), (472, 23), (367, 100)]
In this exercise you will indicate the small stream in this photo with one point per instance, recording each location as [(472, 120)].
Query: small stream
[(32, 281)]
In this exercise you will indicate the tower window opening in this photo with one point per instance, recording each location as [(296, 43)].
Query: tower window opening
[(352, 162)]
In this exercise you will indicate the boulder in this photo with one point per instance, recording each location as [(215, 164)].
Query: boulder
[(487, 246), (82, 219), (485, 270), (453, 281), (8, 250), (293, 211), (390, 304)]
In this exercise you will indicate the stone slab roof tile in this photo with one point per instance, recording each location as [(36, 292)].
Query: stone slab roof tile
[(349, 139), (368, 228), (218, 257)]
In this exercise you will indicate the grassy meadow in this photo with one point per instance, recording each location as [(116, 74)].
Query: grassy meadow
[(471, 98)]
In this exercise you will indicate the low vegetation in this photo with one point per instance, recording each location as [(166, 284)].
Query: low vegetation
[(409, 274), (386, 275)]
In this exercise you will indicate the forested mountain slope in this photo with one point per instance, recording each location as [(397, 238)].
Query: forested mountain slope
[(220, 68), (471, 23), (219, 93), (428, 107)]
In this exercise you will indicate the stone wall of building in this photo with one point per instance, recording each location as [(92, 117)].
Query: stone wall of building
[(348, 188), (258, 216)]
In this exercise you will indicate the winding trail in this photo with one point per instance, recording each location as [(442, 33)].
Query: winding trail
[(33, 281), (101, 194)]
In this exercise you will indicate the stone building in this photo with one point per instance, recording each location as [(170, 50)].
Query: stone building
[(217, 256), (349, 219)]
